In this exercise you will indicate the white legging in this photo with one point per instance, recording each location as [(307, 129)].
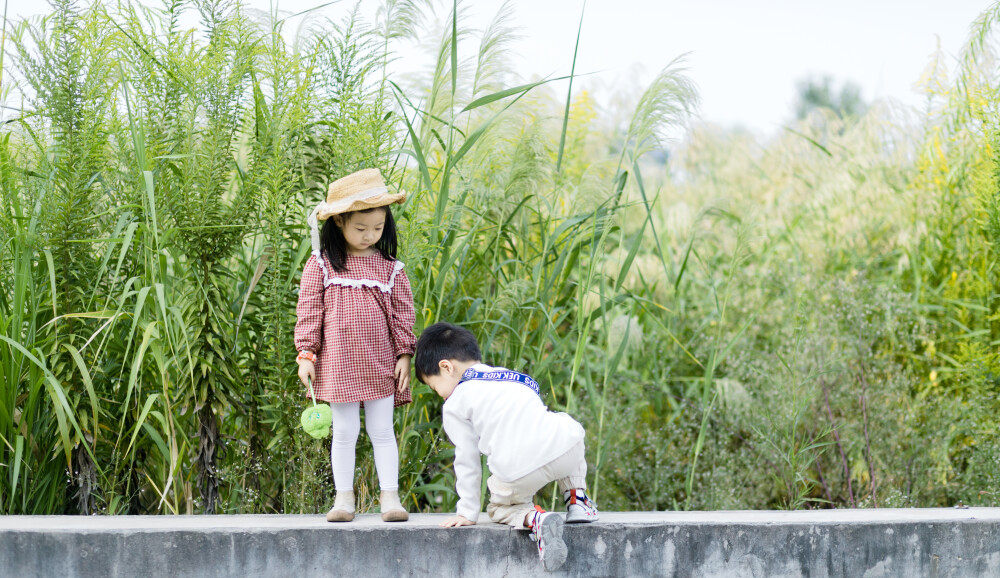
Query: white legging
[(378, 423)]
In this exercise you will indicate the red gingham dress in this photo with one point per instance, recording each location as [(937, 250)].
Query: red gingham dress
[(358, 325)]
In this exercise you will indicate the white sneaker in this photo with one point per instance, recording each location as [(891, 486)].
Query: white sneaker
[(343, 508), (392, 509), (547, 531), (579, 507)]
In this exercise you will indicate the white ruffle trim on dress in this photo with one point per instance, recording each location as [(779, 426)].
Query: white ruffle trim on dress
[(358, 283)]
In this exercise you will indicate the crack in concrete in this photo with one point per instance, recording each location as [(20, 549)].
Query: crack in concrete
[(510, 545)]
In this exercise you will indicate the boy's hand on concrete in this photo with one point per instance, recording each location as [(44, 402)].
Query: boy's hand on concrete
[(307, 370), (456, 521), (402, 373)]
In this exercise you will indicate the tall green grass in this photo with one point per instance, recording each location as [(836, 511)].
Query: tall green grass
[(738, 323)]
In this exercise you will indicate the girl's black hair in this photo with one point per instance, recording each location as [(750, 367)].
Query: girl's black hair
[(335, 246)]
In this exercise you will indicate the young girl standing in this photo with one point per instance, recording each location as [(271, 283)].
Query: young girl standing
[(354, 331)]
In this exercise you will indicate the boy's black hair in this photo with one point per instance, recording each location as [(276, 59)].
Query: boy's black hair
[(444, 341), (335, 246)]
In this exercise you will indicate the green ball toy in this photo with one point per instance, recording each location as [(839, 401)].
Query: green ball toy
[(316, 420)]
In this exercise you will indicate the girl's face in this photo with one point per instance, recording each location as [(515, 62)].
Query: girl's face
[(361, 230)]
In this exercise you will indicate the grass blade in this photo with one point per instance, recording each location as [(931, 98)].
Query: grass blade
[(569, 91)]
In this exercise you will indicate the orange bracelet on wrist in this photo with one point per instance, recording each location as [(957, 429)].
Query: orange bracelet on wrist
[(306, 355)]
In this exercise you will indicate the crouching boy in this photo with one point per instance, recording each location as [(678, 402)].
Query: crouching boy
[(498, 413)]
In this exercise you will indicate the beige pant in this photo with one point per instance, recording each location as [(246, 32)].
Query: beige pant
[(510, 502)]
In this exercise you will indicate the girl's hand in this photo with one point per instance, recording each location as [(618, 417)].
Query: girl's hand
[(402, 373), (307, 371), (455, 521)]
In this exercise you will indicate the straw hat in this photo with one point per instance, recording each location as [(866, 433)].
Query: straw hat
[(358, 191)]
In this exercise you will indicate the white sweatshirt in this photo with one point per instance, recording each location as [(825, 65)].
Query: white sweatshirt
[(508, 423)]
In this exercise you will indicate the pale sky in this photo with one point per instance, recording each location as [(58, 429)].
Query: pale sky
[(745, 57)]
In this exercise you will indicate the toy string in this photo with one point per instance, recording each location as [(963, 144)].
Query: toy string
[(310, 383)]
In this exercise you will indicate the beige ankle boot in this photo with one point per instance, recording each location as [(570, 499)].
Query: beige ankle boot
[(392, 510), (343, 508)]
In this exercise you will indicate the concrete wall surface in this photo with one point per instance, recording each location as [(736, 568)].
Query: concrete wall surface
[(854, 543)]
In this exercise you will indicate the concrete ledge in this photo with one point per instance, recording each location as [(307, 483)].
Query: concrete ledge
[(926, 542)]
